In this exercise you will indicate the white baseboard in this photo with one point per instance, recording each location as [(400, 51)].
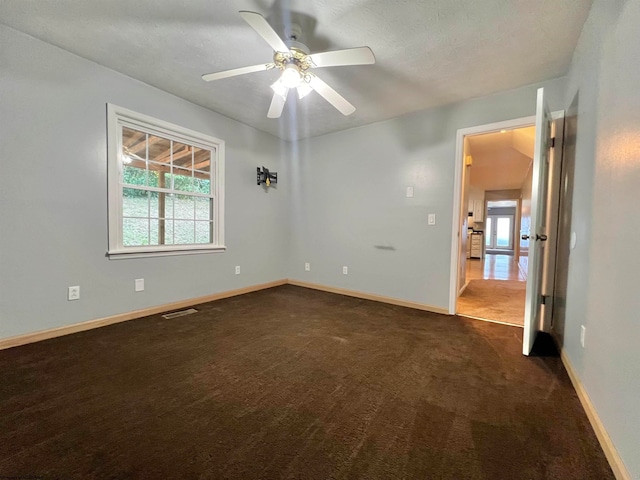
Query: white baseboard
[(123, 317), (370, 296), (616, 463)]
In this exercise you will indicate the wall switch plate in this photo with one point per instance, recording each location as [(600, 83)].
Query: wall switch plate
[(583, 331), (74, 293), (307, 267), (345, 270), (431, 220), (409, 192), (139, 284), (237, 269)]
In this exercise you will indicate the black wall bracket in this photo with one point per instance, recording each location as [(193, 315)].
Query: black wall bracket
[(266, 177)]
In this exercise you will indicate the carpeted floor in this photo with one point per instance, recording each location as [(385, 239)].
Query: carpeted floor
[(293, 383), (501, 300)]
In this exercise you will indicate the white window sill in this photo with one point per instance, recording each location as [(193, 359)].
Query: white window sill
[(163, 252)]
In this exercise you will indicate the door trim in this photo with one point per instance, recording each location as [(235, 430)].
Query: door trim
[(457, 190)]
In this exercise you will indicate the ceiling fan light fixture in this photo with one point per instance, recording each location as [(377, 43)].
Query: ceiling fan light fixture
[(304, 89), (279, 88), (291, 77), (293, 60)]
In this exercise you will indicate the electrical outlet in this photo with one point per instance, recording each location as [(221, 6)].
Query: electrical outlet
[(431, 220), (409, 192), (345, 270), (74, 293), (307, 267), (583, 332), (139, 284), (237, 269)]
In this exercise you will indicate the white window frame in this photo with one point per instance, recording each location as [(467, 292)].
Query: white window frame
[(117, 118)]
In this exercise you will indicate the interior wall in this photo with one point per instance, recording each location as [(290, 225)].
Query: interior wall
[(53, 195), (349, 206), (602, 281)]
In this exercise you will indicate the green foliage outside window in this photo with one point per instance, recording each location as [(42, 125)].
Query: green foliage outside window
[(138, 176)]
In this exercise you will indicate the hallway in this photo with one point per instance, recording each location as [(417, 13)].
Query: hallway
[(495, 290)]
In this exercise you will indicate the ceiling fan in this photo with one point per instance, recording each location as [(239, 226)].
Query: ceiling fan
[(295, 61)]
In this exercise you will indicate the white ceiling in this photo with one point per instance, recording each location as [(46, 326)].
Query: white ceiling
[(501, 160), (429, 52)]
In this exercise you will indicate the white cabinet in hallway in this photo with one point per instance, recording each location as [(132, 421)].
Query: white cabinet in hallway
[(476, 244)]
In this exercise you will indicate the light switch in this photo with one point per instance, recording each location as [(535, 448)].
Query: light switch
[(139, 284), (431, 219), (409, 192)]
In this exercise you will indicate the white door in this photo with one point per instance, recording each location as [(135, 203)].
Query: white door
[(537, 234)]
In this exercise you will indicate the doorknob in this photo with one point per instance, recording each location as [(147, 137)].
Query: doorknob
[(542, 238)]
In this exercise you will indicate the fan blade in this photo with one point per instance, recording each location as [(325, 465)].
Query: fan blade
[(236, 71), (266, 31), (349, 56), (277, 105), (331, 96)]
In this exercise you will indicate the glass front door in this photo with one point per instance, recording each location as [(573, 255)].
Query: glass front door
[(499, 232)]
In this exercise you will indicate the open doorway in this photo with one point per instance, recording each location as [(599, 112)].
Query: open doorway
[(497, 192), (536, 250)]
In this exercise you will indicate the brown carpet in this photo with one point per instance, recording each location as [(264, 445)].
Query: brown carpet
[(501, 300), (292, 383)]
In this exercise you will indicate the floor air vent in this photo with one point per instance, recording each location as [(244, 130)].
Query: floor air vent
[(181, 313)]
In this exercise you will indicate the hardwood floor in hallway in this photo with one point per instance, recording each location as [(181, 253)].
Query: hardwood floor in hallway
[(495, 290), (495, 267)]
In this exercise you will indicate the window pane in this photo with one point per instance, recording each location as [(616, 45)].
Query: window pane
[(203, 208), (184, 232), (168, 206), (134, 145), (203, 232), (154, 227), (182, 155), (487, 238), (157, 203), (134, 173), (155, 174), (159, 149), (184, 207), (168, 232), (135, 231), (201, 183), (135, 203), (201, 159), (183, 180), (503, 230)]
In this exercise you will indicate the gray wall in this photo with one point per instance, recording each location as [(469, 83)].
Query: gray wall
[(348, 198), (53, 195), (602, 292)]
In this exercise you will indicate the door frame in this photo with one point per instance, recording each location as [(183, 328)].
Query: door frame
[(456, 227)]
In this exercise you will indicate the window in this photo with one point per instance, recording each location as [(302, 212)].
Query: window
[(166, 188)]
